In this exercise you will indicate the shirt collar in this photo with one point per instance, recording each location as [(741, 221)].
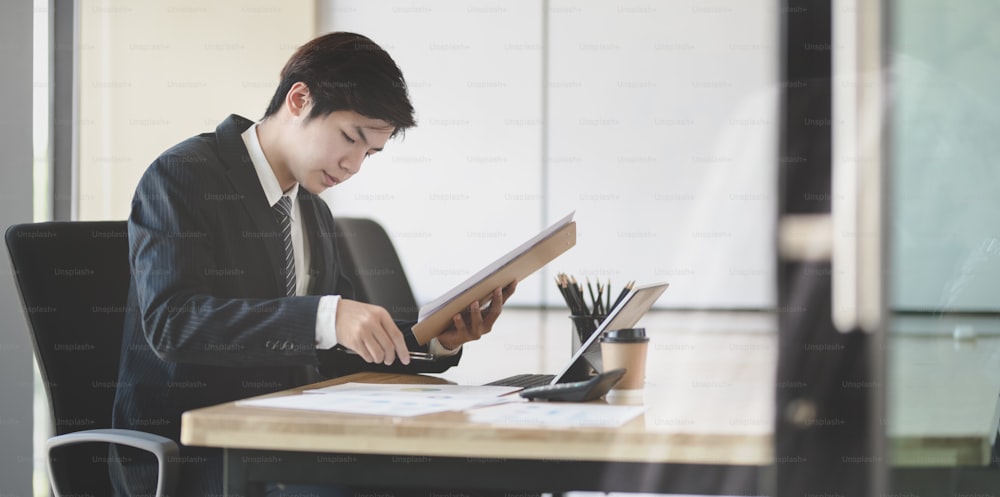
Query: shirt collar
[(268, 181)]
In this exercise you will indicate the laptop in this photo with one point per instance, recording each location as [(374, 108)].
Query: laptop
[(587, 358)]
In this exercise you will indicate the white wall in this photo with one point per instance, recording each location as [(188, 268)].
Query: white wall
[(655, 121), (153, 73), (465, 186)]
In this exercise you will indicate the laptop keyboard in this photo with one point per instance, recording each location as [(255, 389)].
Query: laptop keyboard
[(523, 380)]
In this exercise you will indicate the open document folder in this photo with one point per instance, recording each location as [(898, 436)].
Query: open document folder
[(435, 316), (390, 399)]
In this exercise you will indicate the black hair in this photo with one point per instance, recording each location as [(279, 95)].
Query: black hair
[(347, 71)]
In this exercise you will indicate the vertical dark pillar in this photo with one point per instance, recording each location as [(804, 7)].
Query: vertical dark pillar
[(822, 407)]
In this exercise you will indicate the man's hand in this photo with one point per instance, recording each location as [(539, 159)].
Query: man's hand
[(369, 330), (472, 324)]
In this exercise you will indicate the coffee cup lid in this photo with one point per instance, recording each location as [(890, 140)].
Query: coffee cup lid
[(625, 335)]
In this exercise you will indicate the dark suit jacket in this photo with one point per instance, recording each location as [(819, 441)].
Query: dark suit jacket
[(206, 320)]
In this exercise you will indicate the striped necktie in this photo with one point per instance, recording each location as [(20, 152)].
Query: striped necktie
[(283, 211)]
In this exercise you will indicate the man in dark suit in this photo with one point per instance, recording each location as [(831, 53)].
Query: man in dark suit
[(236, 285)]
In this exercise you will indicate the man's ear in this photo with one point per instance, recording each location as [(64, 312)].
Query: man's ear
[(298, 99)]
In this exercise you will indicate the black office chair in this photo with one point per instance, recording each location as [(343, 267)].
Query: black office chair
[(73, 278), (374, 267)]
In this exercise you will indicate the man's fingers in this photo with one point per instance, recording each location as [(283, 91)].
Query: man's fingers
[(369, 330), (509, 290), (475, 321), (382, 334), (460, 325), (497, 297), (475, 315), (397, 344), (385, 344), (490, 315), (362, 351), (374, 350)]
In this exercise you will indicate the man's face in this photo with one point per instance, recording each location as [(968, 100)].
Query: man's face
[(327, 150)]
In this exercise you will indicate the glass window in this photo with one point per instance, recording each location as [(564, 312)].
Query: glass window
[(945, 240)]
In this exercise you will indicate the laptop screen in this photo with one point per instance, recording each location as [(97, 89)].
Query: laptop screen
[(626, 314)]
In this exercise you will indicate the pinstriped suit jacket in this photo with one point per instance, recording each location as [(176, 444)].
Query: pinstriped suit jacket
[(206, 320)]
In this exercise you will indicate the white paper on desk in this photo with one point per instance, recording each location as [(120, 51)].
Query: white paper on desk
[(485, 392), (389, 400), (433, 306), (556, 414), (356, 404)]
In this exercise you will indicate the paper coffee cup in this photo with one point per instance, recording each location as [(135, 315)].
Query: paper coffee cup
[(626, 348)]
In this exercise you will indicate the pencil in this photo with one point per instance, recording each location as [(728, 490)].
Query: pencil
[(599, 304), (621, 296), (571, 300), (577, 290), (593, 301), (583, 302), (607, 306), (562, 291)]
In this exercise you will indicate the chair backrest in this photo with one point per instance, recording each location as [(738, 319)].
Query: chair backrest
[(371, 263), (73, 278)]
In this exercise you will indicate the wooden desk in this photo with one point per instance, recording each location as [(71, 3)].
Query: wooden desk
[(445, 449), (707, 428)]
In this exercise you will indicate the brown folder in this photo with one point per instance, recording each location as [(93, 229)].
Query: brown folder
[(523, 261)]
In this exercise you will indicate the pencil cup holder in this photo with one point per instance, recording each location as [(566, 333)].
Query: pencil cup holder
[(583, 327)]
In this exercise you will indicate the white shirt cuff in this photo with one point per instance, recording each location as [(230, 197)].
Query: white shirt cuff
[(434, 347), (326, 322), (326, 328)]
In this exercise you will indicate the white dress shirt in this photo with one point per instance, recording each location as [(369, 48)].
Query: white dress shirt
[(326, 313)]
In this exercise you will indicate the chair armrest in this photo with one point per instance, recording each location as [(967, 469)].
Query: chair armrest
[(163, 448)]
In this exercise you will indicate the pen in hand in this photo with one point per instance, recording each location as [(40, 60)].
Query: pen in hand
[(417, 356)]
